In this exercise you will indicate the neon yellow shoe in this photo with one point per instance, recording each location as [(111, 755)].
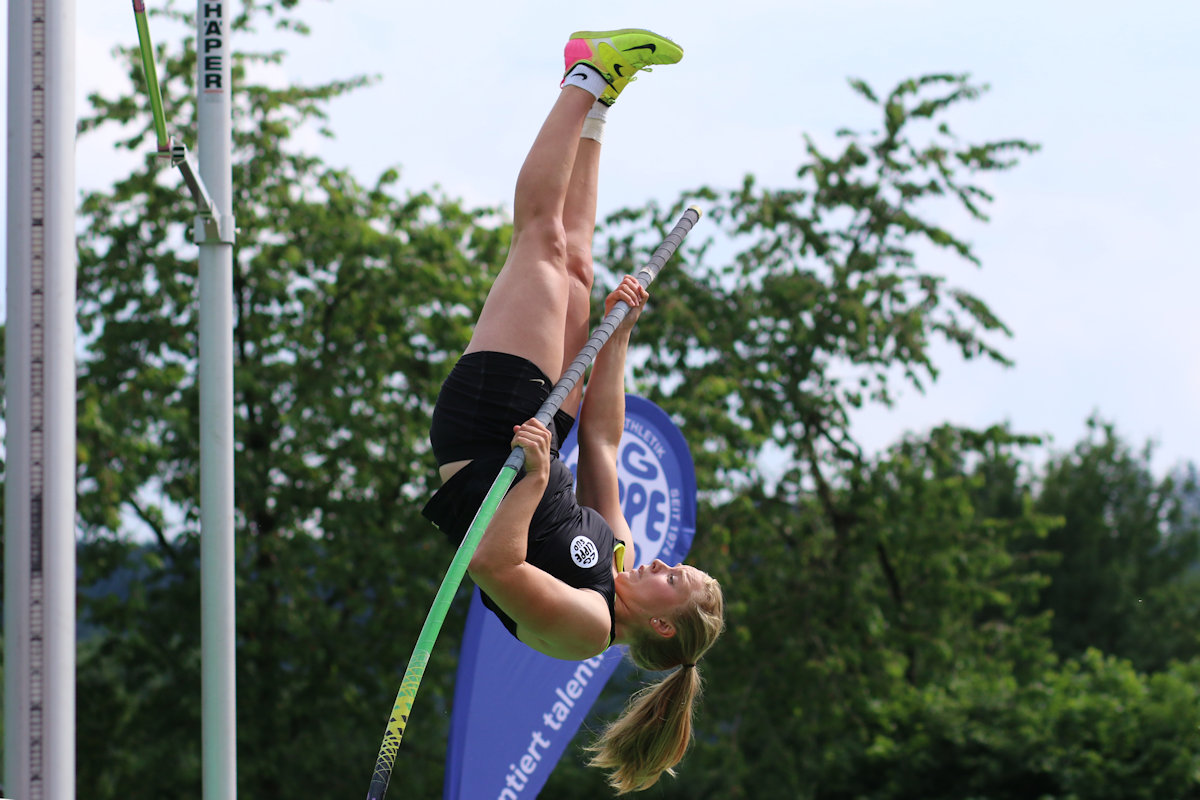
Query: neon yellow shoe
[(619, 54)]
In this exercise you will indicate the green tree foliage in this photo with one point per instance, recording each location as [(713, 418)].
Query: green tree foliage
[(831, 625), (824, 304), (1126, 582), (1094, 729), (905, 663)]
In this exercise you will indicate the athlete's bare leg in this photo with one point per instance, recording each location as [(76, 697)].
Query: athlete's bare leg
[(526, 311), (579, 221)]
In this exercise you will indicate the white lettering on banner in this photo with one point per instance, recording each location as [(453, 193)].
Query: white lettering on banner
[(520, 769), (651, 506), (644, 491), (646, 435)]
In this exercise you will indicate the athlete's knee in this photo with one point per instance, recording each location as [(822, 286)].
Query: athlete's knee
[(544, 238), (579, 263)]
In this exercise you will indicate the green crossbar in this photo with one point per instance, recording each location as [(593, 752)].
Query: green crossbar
[(156, 106)]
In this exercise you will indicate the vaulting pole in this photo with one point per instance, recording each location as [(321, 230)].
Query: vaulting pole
[(508, 473), (39, 491)]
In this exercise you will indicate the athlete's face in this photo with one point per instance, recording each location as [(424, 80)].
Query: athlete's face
[(661, 590)]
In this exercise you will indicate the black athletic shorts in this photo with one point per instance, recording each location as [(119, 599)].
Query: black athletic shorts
[(485, 395)]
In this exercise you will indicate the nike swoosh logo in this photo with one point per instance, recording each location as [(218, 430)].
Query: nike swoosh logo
[(538, 381), (652, 48), (580, 74), (617, 69)]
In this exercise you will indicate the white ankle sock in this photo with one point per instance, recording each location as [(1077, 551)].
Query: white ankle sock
[(585, 76), (593, 126)]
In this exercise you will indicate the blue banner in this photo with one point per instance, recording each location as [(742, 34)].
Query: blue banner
[(516, 710)]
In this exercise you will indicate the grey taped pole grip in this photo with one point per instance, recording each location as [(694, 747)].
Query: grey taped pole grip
[(575, 371)]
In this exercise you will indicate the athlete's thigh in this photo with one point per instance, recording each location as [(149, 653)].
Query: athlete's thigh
[(575, 335), (525, 312)]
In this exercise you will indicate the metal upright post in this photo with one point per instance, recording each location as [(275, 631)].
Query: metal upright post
[(215, 237), (39, 519)]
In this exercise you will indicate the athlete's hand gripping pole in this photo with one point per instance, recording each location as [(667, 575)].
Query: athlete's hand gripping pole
[(508, 473)]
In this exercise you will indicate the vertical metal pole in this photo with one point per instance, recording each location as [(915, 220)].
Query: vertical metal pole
[(214, 146), (39, 520)]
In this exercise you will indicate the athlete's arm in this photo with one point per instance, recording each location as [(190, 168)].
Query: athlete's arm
[(602, 417), (504, 543), (552, 617)]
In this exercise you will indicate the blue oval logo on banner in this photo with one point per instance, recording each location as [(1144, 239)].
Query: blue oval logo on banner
[(516, 710), (658, 482)]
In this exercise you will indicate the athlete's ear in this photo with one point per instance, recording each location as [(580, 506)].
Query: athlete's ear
[(663, 627)]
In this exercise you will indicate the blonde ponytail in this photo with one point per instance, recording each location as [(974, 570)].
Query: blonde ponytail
[(653, 733)]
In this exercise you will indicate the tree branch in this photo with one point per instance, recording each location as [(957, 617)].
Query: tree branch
[(159, 534)]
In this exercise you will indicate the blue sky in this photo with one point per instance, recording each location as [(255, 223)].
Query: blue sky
[(1089, 257)]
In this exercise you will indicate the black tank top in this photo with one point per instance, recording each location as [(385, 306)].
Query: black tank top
[(569, 541)]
